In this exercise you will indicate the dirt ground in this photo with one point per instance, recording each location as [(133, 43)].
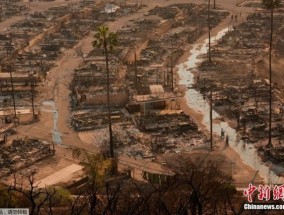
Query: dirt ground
[(56, 88)]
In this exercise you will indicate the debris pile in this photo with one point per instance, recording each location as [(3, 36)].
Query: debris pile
[(22, 153), (9, 8), (239, 83), (36, 43), (88, 120), (166, 122), (152, 121)]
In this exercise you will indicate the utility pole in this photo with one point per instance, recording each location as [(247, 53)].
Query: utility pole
[(135, 79), (244, 121), (1, 9), (168, 78), (13, 92), (256, 99), (172, 69), (211, 123), (10, 45), (214, 4), (232, 170), (32, 95), (147, 76), (11, 76), (158, 75), (209, 34), (164, 82)]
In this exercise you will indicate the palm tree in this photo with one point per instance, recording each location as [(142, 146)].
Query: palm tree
[(270, 4), (106, 40)]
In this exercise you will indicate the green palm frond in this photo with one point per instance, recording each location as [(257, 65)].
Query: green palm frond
[(97, 43), (95, 165), (104, 37), (112, 40)]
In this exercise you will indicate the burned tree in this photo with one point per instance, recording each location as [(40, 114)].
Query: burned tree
[(80, 53), (209, 34), (35, 198)]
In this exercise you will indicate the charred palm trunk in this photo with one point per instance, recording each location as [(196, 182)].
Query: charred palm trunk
[(209, 34), (211, 123), (108, 102), (270, 75)]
